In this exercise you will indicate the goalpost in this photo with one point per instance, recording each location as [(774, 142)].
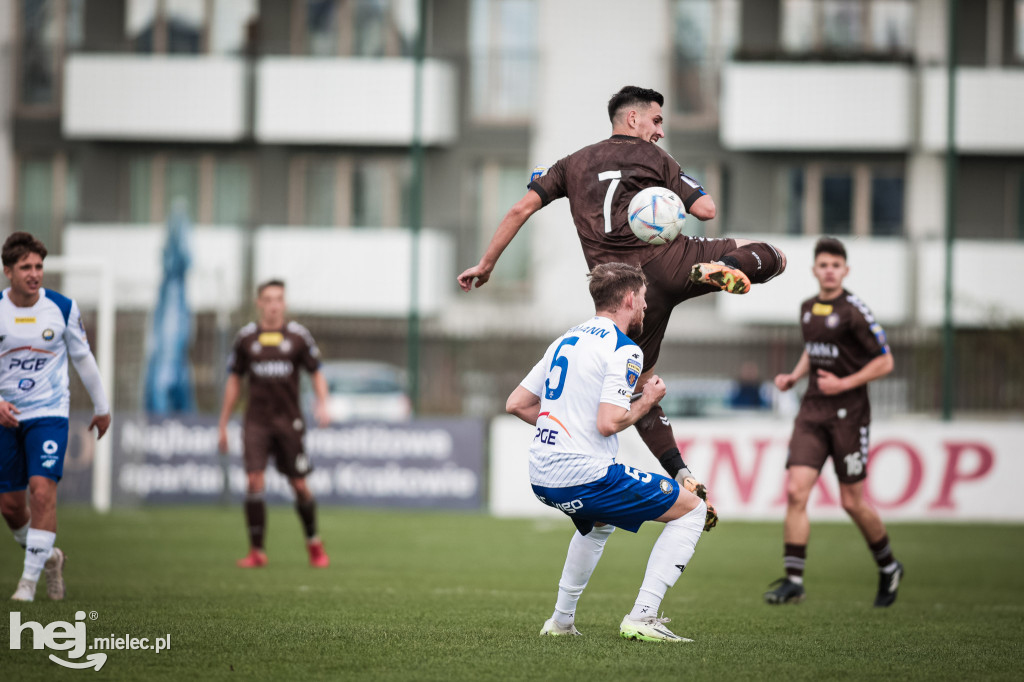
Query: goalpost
[(104, 297)]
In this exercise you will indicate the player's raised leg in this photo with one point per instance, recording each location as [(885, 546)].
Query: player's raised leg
[(749, 263), (684, 523), (890, 571), (305, 506)]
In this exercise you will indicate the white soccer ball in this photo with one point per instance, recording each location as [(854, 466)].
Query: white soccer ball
[(656, 215)]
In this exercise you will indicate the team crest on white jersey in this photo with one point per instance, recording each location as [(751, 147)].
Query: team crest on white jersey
[(632, 372), (48, 335)]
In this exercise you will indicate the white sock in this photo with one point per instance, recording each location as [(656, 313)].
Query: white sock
[(580, 561), (21, 534), (39, 547), (671, 553), (795, 579)]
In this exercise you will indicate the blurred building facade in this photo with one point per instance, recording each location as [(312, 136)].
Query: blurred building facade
[(286, 127)]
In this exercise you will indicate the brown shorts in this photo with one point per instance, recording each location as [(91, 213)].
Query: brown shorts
[(668, 285), (283, 443), (842, 435)]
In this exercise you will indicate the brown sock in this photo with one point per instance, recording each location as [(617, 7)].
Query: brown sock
[(794, 558), (759, 261), (256, 519)]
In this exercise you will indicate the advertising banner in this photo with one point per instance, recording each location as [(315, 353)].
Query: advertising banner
[(918, 470), (422, 463)]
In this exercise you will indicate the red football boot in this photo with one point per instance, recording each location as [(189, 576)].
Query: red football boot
[(256, 558), (317, 556)]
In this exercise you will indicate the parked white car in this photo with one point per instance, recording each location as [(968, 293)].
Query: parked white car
[(362, 390)]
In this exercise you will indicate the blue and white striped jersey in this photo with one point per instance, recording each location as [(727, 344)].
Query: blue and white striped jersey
[(590, 364), (35, 344)]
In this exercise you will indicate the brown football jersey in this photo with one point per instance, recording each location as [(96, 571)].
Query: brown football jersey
[(600, 180), (840, 336), (272, 360)]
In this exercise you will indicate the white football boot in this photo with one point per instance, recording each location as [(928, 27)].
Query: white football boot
[(26, 591), (552, 628), (649, 629), (53, 569)]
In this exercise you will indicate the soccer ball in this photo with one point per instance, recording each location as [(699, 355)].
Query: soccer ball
[(656, 215)]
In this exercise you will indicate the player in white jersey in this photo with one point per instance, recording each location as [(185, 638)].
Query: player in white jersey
[(578, 397), (39, 330)]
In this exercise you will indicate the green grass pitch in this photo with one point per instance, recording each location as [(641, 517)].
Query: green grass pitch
[(444, 596)]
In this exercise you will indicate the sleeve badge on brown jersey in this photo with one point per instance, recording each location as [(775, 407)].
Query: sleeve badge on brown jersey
[(632, 372), (537, 173)]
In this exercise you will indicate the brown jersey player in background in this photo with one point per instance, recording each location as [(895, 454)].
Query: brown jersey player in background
[(844, 349), (271, 352), (600, 180)]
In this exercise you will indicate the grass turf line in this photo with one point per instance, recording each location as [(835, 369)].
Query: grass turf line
[(446, 596)]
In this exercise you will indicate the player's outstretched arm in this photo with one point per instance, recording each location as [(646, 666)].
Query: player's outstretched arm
[(506, 232), (524, 404)]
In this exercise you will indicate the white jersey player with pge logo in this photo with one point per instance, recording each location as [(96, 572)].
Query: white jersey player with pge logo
[(602, 365), (35, 344)]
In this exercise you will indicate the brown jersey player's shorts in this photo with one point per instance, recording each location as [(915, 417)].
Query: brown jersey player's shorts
[(668, 285), (841, 434), (282, 442)]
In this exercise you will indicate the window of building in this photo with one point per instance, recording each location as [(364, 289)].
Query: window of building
[(232, 195), (46, 196), (320, 180), (706, 34), (189, 26), (48, 29), (361, 192), (864, 199), (181, 187), (140, 189), (1018, 42), (498, 186), (363, 28), (848, 27), (503, 54), (837, 203), (886, 205)]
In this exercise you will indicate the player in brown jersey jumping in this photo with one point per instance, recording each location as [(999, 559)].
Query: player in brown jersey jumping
[(271, 352), (844, 349), (600, 180)]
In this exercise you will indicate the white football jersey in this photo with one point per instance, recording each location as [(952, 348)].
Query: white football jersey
[(34, 347), (590, 364)]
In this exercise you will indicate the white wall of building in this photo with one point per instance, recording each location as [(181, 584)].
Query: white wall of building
[(134, 254), (155, 97), (796, 106), (306, 100), (355, 272), (988, 110)]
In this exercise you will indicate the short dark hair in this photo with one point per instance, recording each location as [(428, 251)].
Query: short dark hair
[(269, 283), (830, 245), (19, 244), (610, 282), (631, 96)]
